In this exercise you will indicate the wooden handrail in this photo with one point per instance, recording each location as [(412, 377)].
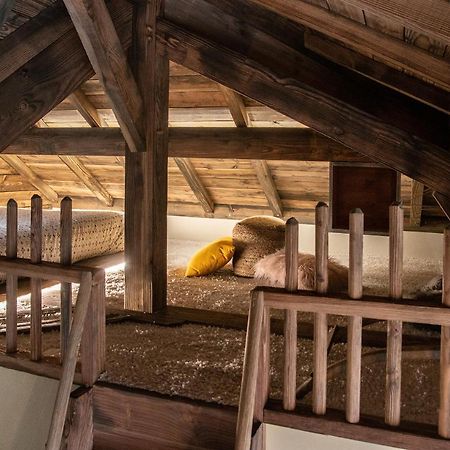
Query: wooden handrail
[(47, 270)]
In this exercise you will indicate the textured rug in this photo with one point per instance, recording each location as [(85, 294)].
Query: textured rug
[(205, 363)]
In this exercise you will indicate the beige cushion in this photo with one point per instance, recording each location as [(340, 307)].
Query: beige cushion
[(271, 271), (254, 238)]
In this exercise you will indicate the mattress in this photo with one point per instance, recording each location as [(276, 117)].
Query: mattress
[(94, 233)]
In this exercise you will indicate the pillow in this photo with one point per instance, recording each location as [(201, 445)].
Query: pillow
[(210, 258)]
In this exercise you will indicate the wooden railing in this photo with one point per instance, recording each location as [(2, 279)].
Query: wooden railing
[(256, 381), (87, 328)]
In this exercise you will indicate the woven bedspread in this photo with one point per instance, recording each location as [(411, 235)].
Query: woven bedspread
[(95, 233)]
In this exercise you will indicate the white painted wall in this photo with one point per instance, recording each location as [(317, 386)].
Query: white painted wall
[(26, 405), (417, 244), (280, 438)]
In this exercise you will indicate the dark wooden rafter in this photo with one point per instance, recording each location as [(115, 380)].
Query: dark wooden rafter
[(444, 202), (364, 39), (357, 112), (5, 9), (43, 81), (96, 30), (390, 77), (30, 39), (431, 20), (146, 173), (415, 216), (195, 183), (295, 144), (242, 120), (29, 175)]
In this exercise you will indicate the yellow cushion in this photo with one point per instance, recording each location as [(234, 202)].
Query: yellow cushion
[(210, 258)]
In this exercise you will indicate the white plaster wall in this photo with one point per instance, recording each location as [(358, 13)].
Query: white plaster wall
[(26, 405), (417, 244), (280, 438)]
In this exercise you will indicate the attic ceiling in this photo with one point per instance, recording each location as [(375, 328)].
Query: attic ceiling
[(233, 188)]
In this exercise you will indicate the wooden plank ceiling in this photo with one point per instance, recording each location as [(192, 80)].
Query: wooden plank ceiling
[(237, 188)]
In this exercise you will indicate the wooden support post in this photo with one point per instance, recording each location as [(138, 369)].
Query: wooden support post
[(146, 174), (415, 216), (250, 373), (320, 319), (394, 327), (290, 320), (69, 364), (11, 280), (66, 259), (80, 420), (353, 385), (444, 405), (36, 283)]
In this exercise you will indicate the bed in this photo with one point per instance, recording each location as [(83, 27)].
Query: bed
[(95, 233)]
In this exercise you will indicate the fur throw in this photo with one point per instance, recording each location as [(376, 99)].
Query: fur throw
[(271, 271)]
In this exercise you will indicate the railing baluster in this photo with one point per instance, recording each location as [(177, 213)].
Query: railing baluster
[(36, 283), (69, 364), (250, 372), (319, 399), (444, 405), (290, 320), (353, 386), (66, 259), (263, 384), (11, 280), (394, 327)]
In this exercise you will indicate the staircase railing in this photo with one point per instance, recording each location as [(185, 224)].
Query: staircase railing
[(355, 306), (85, 331)]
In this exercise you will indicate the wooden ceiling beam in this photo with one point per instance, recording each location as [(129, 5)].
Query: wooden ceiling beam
[(269, 187), (364, 39), (18, 48), (85, 108), (236, 106), (366, 116), (84, 174), (296, 144), (96, 30), (242, 120), (20, 167), (90, 114), (381, 73), (431, 17), (50, 76), (195, 183), (5, 9)]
